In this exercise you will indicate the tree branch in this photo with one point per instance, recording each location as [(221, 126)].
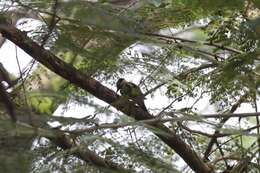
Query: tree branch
[(196, 42), (222, 122), (67, 143), (91, 85)]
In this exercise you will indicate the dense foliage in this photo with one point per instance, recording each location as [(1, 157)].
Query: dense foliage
[(197, 62)]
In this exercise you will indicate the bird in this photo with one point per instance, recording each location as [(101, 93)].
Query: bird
[(132, 91)]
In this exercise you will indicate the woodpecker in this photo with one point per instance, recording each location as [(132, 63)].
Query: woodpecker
[(132, 91)]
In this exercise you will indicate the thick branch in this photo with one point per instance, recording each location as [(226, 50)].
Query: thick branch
[(67, 143), (89, 84)]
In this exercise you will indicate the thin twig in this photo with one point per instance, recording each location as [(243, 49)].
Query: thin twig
[(196, 42), (258, 130), (23, 86)]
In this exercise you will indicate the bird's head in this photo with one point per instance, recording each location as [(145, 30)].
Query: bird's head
[(119, 83)]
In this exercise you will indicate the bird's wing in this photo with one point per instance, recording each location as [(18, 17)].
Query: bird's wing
[(135, 90)]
